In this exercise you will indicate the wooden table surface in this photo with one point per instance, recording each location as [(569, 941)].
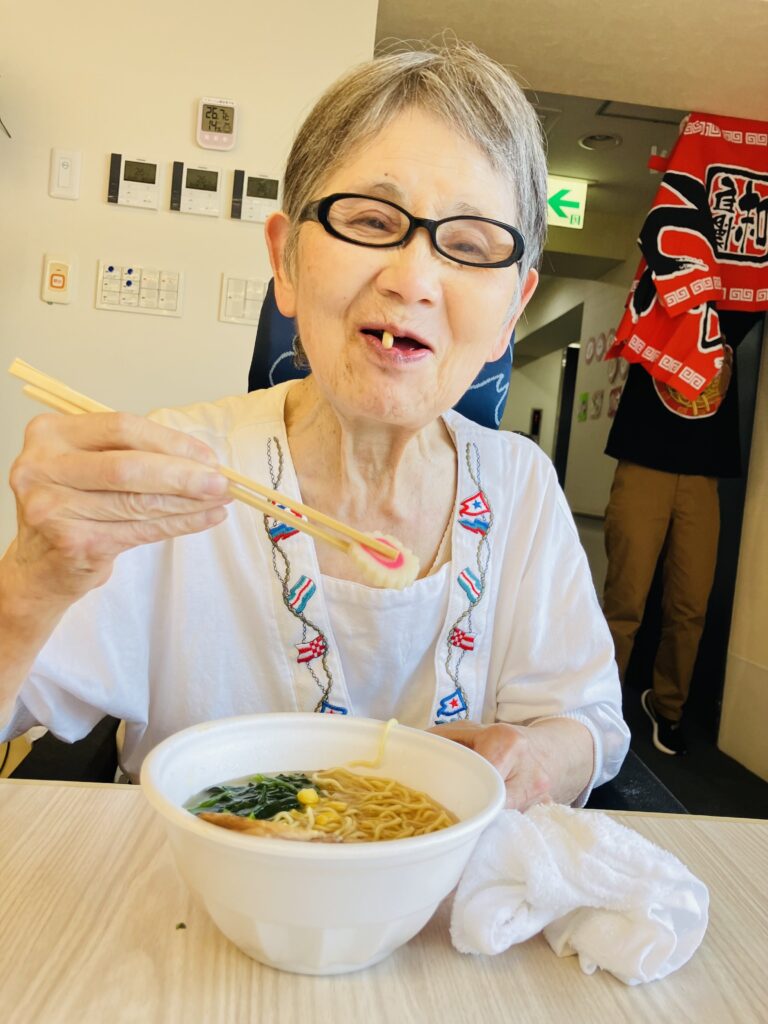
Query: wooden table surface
[(90, 902)]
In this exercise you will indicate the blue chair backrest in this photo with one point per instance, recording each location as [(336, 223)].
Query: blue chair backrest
[(273, 363)]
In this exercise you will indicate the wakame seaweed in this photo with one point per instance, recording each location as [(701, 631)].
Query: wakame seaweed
[(263, 796)]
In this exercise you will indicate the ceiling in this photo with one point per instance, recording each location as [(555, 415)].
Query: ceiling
[(619, 177), (621, 186), (704, 55), (603, 67)]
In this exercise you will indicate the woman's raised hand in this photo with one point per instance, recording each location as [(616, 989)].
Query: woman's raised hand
[(92, 486)]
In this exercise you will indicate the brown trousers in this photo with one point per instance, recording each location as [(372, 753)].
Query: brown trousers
[(650, 511)]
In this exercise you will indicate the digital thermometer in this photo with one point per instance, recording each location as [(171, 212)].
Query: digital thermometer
[(216, 124)]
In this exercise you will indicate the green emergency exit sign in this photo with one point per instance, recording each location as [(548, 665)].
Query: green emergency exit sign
[(566, 202)]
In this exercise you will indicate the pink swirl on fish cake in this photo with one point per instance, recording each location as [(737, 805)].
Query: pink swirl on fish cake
[(388, 563)]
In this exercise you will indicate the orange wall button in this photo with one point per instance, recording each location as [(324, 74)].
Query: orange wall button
[(56, 285)]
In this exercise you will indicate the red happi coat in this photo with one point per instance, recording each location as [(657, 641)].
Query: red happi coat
[(705, 247)]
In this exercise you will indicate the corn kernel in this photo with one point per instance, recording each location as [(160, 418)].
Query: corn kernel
[(307, 796)]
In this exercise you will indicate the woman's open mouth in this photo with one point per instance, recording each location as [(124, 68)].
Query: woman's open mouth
[(400, 345)]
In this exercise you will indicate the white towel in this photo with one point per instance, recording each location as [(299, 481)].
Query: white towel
[(596, 888)]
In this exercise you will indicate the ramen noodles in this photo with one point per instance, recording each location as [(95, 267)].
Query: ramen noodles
[(331, 805)]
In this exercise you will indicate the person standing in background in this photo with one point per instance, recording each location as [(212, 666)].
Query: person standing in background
[(664, 503), (702, 283)]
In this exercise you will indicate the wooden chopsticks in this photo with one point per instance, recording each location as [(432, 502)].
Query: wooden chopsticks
[(53, 393)]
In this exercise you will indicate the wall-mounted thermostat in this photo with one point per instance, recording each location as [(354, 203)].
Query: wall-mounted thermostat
[(134, 181), (254, 197), (216, 124), (196, 189)]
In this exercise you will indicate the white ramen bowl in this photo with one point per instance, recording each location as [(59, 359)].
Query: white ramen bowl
[(318, 908)]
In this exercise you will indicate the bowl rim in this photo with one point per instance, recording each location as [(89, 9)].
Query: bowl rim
[(180, 817)]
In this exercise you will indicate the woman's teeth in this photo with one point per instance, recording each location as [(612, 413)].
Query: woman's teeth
[(404, 344)]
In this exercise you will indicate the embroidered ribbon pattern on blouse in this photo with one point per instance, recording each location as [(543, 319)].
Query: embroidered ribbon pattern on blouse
[(297, 596), (476, 516)]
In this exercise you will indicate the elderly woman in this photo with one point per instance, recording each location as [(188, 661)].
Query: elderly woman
[(413, 218)]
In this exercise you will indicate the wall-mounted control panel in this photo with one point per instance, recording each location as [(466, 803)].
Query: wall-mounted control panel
[(134, 181), (196, 189), (241, 299), (216, 124), (129, 288), (254, 196)]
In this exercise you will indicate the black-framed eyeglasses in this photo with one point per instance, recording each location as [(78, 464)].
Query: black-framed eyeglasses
[(379, 224)]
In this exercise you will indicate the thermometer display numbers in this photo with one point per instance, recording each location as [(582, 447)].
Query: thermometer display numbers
[(218, 119)]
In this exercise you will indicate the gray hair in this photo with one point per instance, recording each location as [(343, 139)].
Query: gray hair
[(455, 82)]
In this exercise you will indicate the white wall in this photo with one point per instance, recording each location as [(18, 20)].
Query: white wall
[(589, 472), (745, 698), (103, 79), (535, 386)]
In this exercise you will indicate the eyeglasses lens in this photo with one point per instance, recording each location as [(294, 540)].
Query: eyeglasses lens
[(369, 221), (375, 222), (475, 241)]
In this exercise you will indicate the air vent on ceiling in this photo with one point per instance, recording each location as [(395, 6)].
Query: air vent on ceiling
[(547, 116), (636, 112), (595, 142)]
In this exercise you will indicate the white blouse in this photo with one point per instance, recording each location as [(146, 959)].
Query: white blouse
[(239, 619), (398, 679)]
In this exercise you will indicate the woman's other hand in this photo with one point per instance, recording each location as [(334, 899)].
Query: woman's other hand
[(550, 760), (90, 487)]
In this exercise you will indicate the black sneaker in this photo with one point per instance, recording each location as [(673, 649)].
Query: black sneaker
[(667, 735)]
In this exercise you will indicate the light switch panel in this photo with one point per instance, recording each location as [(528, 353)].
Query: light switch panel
[(64, 178), (131, 288), (241, 299)]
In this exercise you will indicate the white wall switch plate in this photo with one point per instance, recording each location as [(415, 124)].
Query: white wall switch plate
[(58, 280), (241, 299), (130, 288), (64, 178)]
